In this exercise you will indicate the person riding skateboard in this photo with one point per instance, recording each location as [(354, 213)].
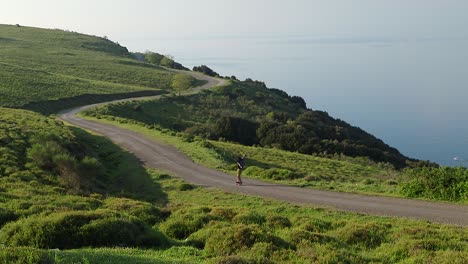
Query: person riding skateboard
[(240, 167)]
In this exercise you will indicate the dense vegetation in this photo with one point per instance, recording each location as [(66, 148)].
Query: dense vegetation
[(249, 113), (182, 82), (335, 172), (158, 59), (444, 183), (205, 70), (121, 213), (39, 67)]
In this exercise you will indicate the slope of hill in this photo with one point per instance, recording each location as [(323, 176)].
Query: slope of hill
[(249, 113), (38, 67), (90, 202)]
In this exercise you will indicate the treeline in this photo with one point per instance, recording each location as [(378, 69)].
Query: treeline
[(312, 132), (210, 72), (205, 70), (158, 59), (305, 131)]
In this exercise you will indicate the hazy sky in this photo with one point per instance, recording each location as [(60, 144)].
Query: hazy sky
[(362, 19)]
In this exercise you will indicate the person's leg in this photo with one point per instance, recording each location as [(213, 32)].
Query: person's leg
[(239, 175)]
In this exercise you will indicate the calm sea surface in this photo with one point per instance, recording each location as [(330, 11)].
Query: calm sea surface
[(412, 94)]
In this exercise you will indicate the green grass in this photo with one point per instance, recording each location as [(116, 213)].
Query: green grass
[(128, 214), (132, 255), (340, 174), (38, 66), (221, 226)]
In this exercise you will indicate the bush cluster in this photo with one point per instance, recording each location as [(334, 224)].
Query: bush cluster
[(6, 216), (49, 153), (444, 183), (369, 235), (25, 255), (183, 223), (272, 173), (34, 147), (232, 239), (145, 211), (81, 229)]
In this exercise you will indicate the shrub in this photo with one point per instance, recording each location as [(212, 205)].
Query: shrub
[(183, 223), (236, 129), (261, 252), (368, 181), (315, 225), (42, 153), (249, 217), (277, 221), (279, 174), (253, 171), (186, 187), (297, 236), (391, 182), (443, 183), (143, 210), (225, 214), (229, 240), (206, 70), (182, 82), (178, 229), (412, 188), (66, 165), (272, 173), (78, 229), (450, 257), (327, 253), (231, 260), (369, 235), (6, 216), (90, 168), (122, 232), (25, 255), (199, 238)]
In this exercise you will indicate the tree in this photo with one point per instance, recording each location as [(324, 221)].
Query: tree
[(182, 82), (236, 129), (206, 70), (153, 58), (167, 62), (299, 100)]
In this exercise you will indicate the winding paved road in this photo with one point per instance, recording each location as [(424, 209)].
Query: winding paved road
[(156, 154)]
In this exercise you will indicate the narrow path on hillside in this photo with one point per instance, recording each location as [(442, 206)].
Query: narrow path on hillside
[(155, 154)]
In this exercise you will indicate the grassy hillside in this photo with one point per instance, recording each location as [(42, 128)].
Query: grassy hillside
[(338, 172), (90, 202), (251, 114), (40, 65)]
